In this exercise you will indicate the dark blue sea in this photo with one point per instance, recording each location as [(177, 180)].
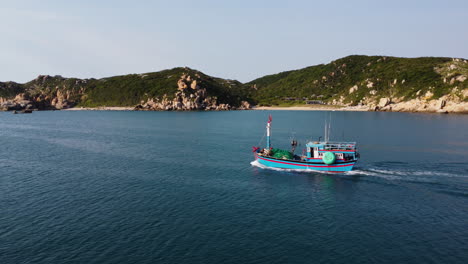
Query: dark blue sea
[(179, 187)]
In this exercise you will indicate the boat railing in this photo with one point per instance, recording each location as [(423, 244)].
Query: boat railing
[(340, 146)]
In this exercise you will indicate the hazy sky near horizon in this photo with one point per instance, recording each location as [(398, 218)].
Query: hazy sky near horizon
[(241, 40)]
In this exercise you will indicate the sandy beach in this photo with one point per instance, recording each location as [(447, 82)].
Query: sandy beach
[(103, 108), (312, 108)]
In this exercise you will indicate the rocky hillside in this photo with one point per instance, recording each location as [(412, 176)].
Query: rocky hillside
[(175, 89), (365, 82), (372, 82)]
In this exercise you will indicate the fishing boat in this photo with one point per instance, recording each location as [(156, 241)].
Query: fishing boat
[(326, 155)]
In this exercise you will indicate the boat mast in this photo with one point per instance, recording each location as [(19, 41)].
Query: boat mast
[(327, 129), (268, 127), (325, 134)]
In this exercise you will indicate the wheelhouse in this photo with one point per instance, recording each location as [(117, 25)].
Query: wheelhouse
[(342, 150)]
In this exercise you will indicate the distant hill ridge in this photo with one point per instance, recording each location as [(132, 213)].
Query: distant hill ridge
[(174, 89), (371, 82)]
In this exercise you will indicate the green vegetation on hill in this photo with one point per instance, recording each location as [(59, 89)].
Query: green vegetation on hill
[(131, 89), (350, 80), (10, 89), (370, 75)]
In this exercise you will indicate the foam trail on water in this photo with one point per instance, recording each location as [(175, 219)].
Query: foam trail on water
[(376, 171), (400, 173), (372, 173)]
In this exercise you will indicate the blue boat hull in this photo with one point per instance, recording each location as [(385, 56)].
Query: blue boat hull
[(303, 165)]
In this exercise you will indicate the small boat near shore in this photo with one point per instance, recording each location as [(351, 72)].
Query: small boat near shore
[(326, 155), (25, 111)]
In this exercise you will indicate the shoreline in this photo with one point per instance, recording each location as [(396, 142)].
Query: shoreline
[(313, 108), (257, 108), (275, 108)]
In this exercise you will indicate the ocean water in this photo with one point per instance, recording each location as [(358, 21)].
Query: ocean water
[(177, 187)]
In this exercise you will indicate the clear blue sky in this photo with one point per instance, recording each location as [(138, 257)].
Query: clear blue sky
[(242, 39)]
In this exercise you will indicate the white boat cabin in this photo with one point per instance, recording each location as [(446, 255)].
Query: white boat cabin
[(343, 150)]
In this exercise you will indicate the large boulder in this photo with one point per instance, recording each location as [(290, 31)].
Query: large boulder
[(461, 78), (384, 102), (353, 89), (181, 84), (21, 97), (245, 105), (194, 85)]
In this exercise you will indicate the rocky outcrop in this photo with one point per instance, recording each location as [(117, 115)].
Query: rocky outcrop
[(190, 96), (384, 102), (20, 102), (353, 89), (61, 100), (245, 106), (455, 102), (38, 102), (418, 105), (453, 82), (39, 94)]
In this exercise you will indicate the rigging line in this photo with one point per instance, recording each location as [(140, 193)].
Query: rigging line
[(342, 126), (325, 128), (261, 140)]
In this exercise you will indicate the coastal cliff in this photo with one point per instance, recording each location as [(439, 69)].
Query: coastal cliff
[(369, 83)]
